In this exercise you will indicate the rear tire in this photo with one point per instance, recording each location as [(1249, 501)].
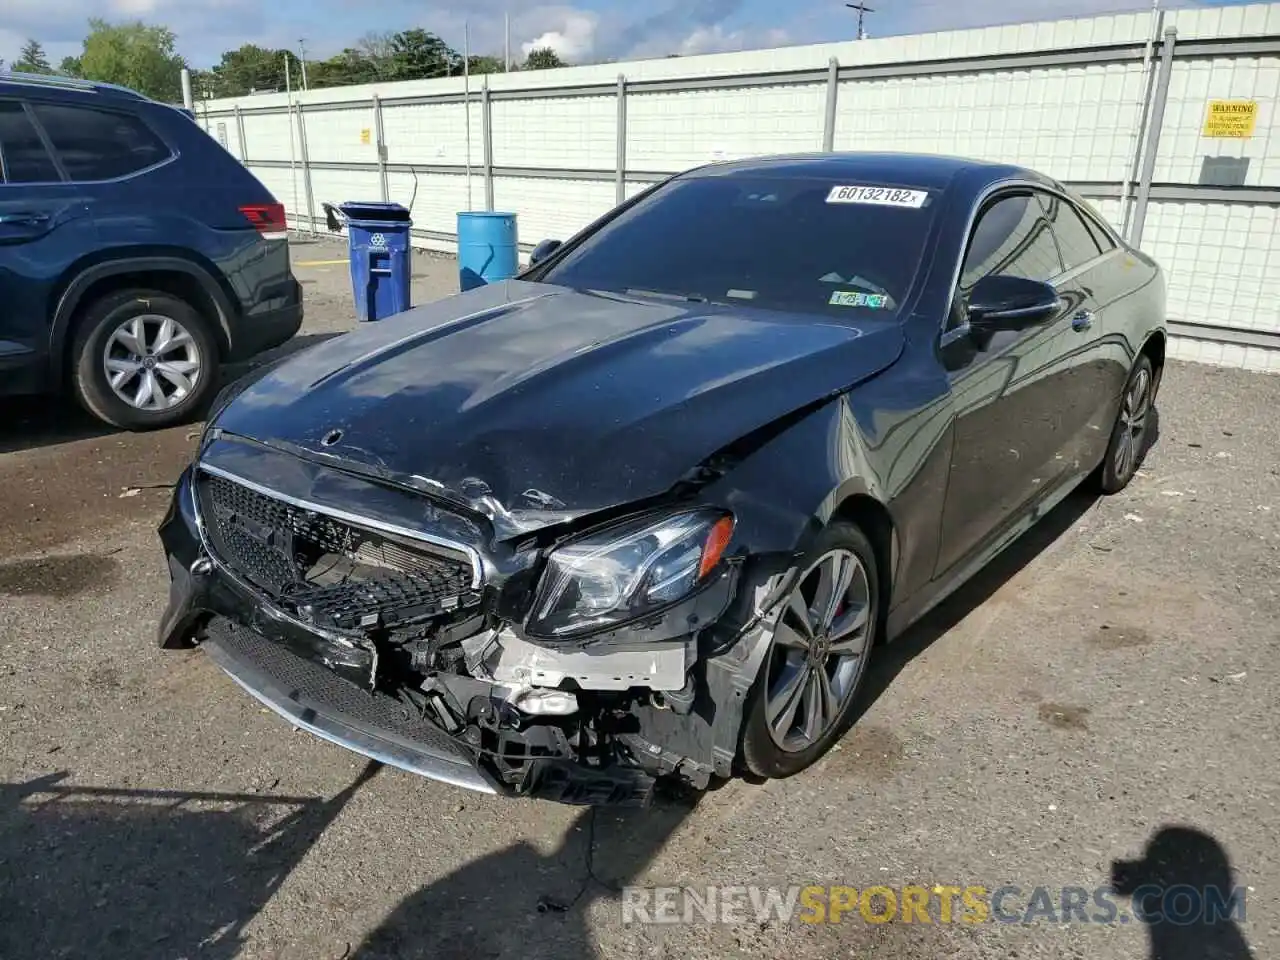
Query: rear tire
[(1127, 447), (835, 645), (143, 359)]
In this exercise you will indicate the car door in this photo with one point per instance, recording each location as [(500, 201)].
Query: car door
[(45, 225), (1014, 390), (1102, 357)]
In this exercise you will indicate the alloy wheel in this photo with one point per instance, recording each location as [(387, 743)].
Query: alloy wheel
[(1133, 423), (820, 648), (152, 362)]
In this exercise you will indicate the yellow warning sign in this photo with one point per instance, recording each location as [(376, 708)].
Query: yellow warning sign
[(366, 136), (1231, 118)]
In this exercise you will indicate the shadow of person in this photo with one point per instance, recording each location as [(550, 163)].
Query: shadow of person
[(145, 874), (1182, 889), (520, 902)]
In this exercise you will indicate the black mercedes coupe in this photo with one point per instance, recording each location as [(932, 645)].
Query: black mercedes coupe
[(646, 510)]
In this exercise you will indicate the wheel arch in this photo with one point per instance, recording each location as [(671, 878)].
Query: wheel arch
[(873, 518), (176, 275), (1154, 349)]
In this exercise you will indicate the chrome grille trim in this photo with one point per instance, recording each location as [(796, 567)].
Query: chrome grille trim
[(355, 520)]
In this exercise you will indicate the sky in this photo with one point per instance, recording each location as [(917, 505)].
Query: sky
[(579, 30)]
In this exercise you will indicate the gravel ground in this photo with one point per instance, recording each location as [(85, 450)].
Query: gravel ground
[(1106, 690)]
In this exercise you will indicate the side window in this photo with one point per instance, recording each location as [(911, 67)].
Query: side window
[(25, 158), (98, 144), (1075, 241), (1012, 237), (1092, 220)]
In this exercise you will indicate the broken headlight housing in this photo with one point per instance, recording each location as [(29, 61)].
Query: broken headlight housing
[(626, 571)]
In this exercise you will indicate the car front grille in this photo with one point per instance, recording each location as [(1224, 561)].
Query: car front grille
[(324, 569)]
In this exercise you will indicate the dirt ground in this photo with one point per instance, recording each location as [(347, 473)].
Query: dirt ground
[(1107, 690)]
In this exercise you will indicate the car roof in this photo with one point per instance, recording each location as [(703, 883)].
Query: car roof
[(54, 82), (919, 169)]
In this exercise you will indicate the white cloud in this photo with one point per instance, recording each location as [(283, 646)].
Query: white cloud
[(713, 39), (574, 39)]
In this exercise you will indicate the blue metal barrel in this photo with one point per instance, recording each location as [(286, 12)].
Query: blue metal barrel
[(488, 249)]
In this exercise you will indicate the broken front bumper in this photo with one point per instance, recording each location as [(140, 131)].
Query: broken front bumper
[(314, 698), (319, 684)]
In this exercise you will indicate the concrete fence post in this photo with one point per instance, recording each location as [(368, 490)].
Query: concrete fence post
[(1153, 136), (833, 94), (380, 140), (620, 182), (306, 171), (486, 134), (1140, 132), (244, 149)]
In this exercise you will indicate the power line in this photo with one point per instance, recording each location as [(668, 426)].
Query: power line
[(863, 10)]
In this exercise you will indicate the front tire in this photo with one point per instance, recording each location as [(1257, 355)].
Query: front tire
[(142, 359), (1128, 437), (804, 697)]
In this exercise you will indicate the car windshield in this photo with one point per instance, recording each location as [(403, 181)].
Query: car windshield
[(800, 245)]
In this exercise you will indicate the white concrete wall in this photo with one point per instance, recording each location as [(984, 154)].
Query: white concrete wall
[(1078, 123)]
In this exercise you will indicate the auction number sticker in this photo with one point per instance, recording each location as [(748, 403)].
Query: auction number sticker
[(880, 196)]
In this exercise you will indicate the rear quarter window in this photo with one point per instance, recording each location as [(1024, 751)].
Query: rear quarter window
[(93, 144)]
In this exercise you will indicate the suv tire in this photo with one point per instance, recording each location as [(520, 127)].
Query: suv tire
[(142, 359)]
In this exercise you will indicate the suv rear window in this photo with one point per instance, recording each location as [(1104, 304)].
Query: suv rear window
[(99, 144), (807, 245), (25, 158)]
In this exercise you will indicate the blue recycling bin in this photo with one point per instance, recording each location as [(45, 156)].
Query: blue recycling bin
[(488, 251), (380, 256)]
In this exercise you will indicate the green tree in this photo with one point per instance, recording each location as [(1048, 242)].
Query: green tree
[(478, 65), (203, 83), (375, 47), (70, 67), (32, 59), (253, 68), (136, 55), (348, 67), (543, 58), (417, 54)]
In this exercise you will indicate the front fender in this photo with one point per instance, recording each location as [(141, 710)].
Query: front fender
[(885, 446), (784, 493)]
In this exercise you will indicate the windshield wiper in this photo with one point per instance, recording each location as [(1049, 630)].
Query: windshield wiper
[(684, 297)]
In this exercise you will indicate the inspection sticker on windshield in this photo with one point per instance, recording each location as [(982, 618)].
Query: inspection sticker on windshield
[(847, 298), (881, 196)]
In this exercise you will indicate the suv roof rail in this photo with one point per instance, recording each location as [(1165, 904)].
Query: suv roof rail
[(68, 83)]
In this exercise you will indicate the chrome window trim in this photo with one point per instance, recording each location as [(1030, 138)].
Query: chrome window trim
[(477, 563), (951, 336)]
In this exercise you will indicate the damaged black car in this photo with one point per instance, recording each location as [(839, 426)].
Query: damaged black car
[(646, 510)]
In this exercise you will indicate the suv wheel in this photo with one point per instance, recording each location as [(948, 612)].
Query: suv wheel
[(143, 359)]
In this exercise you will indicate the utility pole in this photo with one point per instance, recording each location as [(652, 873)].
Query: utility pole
[(302, 59), (506, 50), (863, 10)]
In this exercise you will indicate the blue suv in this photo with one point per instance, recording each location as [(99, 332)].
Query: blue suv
[(136, 253)]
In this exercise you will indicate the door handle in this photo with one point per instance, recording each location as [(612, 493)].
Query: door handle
[(23, 219), (1082, 320)]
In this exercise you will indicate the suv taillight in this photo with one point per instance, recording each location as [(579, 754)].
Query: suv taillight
[(269, 220)]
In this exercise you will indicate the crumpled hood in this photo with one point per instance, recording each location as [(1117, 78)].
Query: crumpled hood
[(546, 399)]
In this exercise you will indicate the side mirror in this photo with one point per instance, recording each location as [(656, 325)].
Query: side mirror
[(543, 250), (1010, 303)]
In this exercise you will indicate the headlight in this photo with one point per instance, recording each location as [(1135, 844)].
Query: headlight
[(629, 570)]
